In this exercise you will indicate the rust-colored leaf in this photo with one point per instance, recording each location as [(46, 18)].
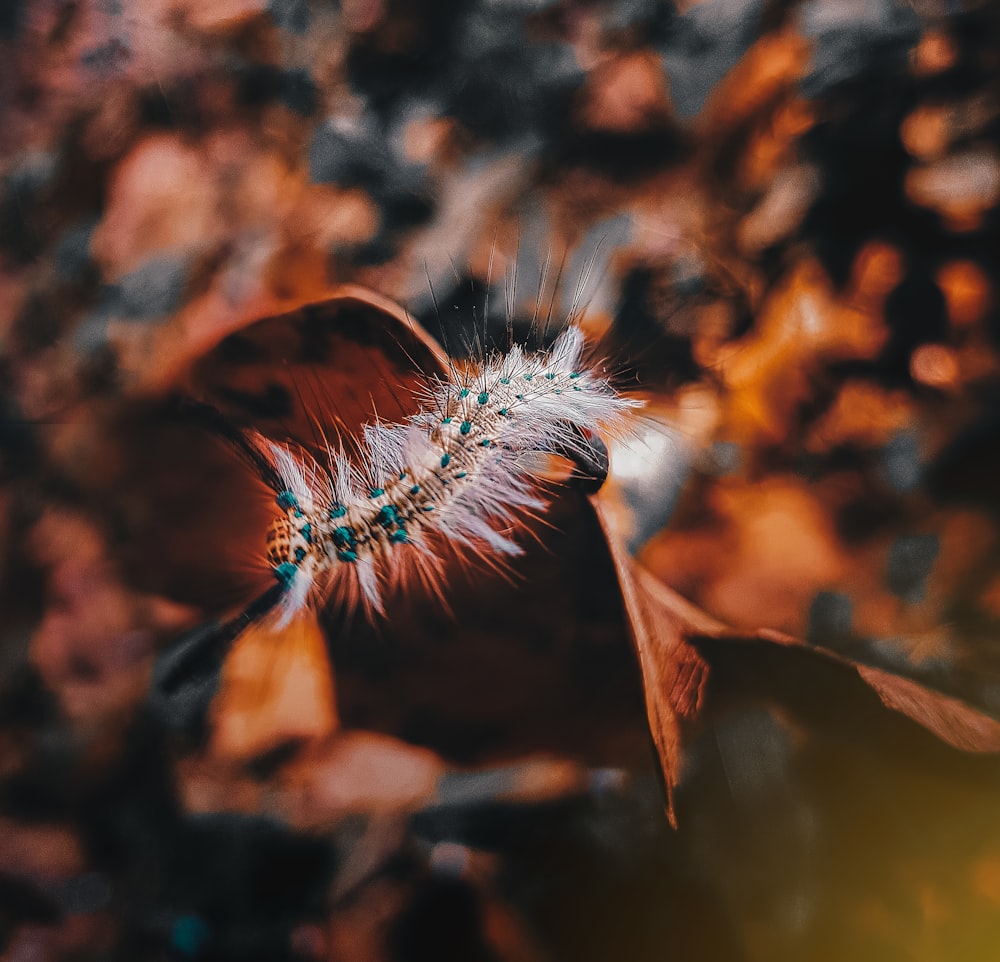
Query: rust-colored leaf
[(679, 647), (276, 687), (952, 720), (322, 368), (673, 673)]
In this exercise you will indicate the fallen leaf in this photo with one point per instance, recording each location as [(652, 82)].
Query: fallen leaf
[(680, 649), (276, 688), (950, 719), (673, 673)]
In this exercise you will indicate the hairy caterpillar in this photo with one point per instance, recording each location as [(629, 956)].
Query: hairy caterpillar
[(454, 475), (381, 511)]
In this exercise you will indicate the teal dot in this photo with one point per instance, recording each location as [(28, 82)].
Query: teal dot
[(446, 421), (285, 573), (505, 380), (465, 428), (287, 500), (189, 935), (465, 392), (485, 442), (347, 555), (337, 511), (300, 554), (376, 492), (576, 387), (398, 537), (415, 489), (445, 459), (503, 412), (428, 507), (462, 474), (307, 532), (520, 397), (527, 377), (387, 516), (558, 390), (402, 474), (550, 376), (344, 537), (483, 398), (574, 376)]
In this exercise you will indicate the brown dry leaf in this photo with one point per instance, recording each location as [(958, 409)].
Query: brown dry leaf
[(676, 675), (276, 687), (673, 673), (341, 360), (950, 719), (771, 66)]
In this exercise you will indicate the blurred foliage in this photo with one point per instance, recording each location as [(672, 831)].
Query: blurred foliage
[(782, 217)]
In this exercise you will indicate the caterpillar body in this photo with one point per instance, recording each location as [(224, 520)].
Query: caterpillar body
[(455, 475)]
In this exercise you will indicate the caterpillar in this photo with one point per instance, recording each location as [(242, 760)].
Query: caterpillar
[(454, 476), (353, 522)]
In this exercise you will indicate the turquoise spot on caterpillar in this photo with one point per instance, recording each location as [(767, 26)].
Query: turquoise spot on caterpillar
[(387, 516), (285, 573), (485, 443), (445, 459), (346, 555), (462, 474), (550, 376), (287, 500), (337, 511), (465, 428), (344, 537), (415, 489), (376, 492), (483, 398), (300, 554), (574, 376), (307, 532), (505, 380), (398, 537), (465, 392)]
